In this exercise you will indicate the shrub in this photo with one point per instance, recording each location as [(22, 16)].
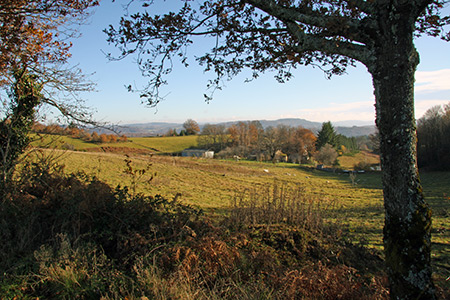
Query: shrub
[(67, 146), (230, 152), (326, 155), (45, 202)]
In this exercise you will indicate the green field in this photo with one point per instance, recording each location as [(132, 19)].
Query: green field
[(159, 145)]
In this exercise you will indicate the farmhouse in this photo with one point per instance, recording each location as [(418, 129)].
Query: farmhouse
[(197, 153)]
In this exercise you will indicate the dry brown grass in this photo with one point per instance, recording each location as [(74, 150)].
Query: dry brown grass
[(281, 203), (363, 157)]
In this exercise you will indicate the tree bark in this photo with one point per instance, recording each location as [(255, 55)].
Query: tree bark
[(407, 230)]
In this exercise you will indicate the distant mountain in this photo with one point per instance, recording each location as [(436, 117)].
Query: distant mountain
[(160, 128), (293, 123), (355, 131), (353, 123), (142, 129), (274, 123), (149, 129)]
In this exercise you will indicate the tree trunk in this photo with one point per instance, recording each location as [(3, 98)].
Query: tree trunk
[(407, 230)]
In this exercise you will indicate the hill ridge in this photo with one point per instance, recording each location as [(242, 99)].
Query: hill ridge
[(160, 128)]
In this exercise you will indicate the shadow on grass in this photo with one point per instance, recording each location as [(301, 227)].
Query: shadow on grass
[(367, 180)]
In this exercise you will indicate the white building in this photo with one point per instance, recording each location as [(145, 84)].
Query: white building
[(197, 153)]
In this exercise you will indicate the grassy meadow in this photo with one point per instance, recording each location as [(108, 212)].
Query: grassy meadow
[(212, 185), (160, 145), (240, 190)]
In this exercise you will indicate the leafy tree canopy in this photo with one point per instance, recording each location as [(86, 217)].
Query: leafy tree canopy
[(33, 51), (191, 127), (31, 31), (326, 155), (263, 35), (433, 133)]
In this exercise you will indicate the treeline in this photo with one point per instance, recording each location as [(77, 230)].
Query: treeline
[(281, 143), (78, 133), (251, 140), (433, 138)]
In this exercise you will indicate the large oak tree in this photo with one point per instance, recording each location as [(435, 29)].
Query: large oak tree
[(332, 34)]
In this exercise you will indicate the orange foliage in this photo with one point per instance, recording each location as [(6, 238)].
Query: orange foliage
[(31, 31), (78, 133), (307, 138), (103, 138), (95, 138), (112, 138)]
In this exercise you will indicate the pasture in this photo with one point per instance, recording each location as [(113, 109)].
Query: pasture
[(212, 185), (159, 145)]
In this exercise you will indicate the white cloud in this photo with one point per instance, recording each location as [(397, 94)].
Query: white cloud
[(421, 106), (363, 111), (426, 82), (432, 81)]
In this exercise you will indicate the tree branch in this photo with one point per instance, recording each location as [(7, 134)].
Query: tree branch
[(310, 42), (363, 5), (347, 27)]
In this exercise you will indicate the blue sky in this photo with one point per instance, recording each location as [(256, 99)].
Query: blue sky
[(309, 95)]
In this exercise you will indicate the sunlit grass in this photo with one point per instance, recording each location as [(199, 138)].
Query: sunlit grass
[(59, 142), (348, 162), (211, 184), (166, 144), (153, 144)]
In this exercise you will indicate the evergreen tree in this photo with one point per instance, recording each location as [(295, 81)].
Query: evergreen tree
[(327, 135), (349, 142)]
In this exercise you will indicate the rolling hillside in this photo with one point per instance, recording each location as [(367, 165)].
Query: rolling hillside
[(159, 145)]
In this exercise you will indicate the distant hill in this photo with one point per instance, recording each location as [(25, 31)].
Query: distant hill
[(349, 131), (355, 131), (160, 128), (142, 129), (288, 122)]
